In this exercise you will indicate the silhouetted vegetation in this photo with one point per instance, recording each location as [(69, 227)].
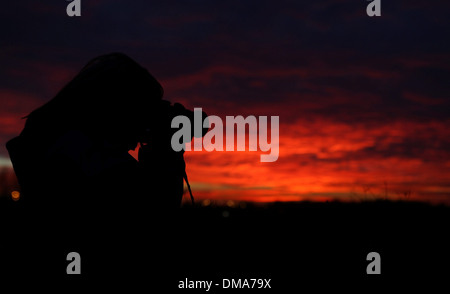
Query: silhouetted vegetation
[(306, 242)]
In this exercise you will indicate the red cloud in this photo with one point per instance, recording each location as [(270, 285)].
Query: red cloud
[(329, 160)]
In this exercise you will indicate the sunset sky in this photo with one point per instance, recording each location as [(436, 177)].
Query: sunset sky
[(363, 103)]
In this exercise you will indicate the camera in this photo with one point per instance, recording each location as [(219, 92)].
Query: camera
[(159, 130)]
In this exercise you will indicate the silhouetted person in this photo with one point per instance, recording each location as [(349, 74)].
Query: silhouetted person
[(72, 161)]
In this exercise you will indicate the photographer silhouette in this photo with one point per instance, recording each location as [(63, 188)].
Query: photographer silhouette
[(72, 161)]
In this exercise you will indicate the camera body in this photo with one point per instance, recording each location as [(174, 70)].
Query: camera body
[(159, 131)]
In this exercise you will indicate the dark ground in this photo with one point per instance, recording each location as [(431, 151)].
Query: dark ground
[(296, 245)]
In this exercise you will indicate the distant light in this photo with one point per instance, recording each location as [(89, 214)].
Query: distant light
[(206, 202), (15, 195), (225, 214), (230, 203)]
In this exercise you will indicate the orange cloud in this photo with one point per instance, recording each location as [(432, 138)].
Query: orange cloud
[(329, 160)]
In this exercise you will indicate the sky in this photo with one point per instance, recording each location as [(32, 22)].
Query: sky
[(363, 102)]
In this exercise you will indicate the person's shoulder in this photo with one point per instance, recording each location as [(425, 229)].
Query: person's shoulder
[(71, 144), (92, 157)]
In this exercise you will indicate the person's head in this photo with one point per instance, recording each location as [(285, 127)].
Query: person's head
[(110, 98)]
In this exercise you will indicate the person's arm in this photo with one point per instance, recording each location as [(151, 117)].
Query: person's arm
[(165, 168)]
